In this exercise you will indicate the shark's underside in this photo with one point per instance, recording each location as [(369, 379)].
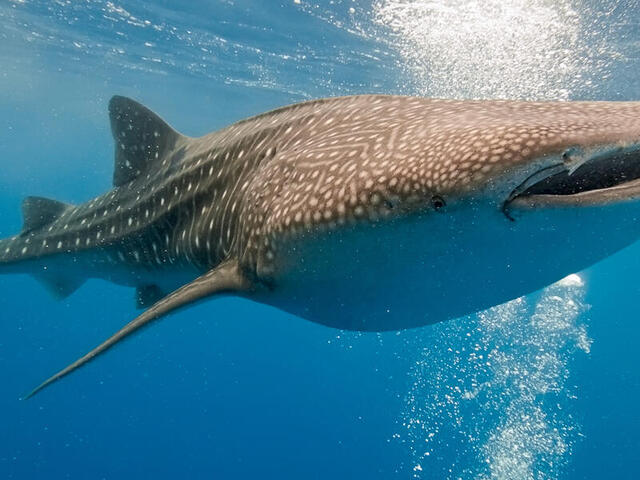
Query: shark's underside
[(364, 212)]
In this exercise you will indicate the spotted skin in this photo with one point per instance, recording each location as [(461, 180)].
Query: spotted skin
[(266, 191), (318, 164)]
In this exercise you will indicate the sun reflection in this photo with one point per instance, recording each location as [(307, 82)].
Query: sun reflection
[(530, 49)]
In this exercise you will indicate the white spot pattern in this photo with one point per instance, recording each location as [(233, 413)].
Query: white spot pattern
[(317, 165)]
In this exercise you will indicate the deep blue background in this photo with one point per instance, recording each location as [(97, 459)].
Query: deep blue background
[(231, 389)]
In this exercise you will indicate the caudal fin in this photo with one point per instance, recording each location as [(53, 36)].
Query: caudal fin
[(5, 249), (15, 252), (38, 213)]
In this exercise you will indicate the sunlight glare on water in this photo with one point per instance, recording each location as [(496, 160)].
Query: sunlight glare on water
[(533, 49)]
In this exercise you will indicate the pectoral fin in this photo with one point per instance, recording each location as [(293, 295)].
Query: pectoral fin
[(226, 278)]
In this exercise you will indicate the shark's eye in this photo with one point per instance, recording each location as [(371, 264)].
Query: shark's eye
[(437, 202)]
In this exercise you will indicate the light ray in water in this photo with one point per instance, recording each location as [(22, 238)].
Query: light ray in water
[(493, 389), (489, 393)]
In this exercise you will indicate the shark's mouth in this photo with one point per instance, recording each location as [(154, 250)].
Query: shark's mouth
[(610, 176)]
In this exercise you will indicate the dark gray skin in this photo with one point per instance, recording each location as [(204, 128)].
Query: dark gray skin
[(363, 213)]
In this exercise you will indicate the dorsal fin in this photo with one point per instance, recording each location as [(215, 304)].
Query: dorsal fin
[(141, 137), (39, 212)]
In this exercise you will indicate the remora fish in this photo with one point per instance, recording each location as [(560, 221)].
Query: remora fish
[(361, 213)]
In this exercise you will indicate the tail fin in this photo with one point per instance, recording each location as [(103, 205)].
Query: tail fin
[(5, 250), (38, 213)]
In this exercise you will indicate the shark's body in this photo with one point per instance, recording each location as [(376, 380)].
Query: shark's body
[(363, 213)]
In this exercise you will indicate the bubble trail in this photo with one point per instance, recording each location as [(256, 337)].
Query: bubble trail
[(489, 395)]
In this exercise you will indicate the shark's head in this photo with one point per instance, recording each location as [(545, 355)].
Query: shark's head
[(537, 191), (519, 157), (464, 204)]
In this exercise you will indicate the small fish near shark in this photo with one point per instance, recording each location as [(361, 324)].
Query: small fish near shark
[(368, 212)]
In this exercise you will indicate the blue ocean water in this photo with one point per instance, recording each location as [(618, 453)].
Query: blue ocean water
[(544, 387)]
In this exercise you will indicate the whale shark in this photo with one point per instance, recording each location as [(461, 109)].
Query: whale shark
[(367, 212)]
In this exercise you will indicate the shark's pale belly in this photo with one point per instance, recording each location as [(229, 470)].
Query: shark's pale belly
[(427, 270), (386, 277)]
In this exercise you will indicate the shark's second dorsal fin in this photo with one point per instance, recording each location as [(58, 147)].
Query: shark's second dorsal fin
[(39, 212), (141, 138)]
